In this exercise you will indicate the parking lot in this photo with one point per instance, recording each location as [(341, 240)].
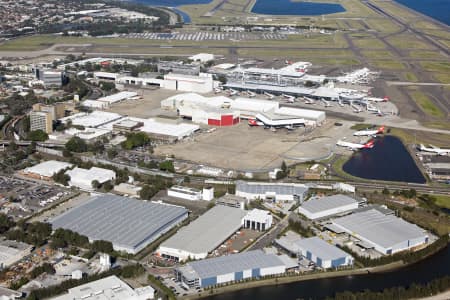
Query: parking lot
[(24, 198), (205, 36)]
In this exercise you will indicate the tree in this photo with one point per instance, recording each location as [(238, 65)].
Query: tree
[(146, 192), (134, 140), (107, 86), (167, 165), (95, 184), (112, 152), (37, 136), (61, 177), (385, 191), (222, 79), (76, 144), (283, 166)]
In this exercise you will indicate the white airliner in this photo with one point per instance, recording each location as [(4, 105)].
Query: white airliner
[(251, 94), (354, 146), (270, 96), (374, 99), (289, 98), (437, 150), (232, 92), (369, 132)]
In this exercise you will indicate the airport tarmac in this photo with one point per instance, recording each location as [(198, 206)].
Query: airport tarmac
[(205, 36), (250, 149)]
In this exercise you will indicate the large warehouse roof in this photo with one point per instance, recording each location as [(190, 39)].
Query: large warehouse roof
[(48, 168), (262, 188), (94, 119), (308, 114), (319, 204), (125, 222), (208, 231), (320, 248), (233, 263), (383, 230), (156, 126)]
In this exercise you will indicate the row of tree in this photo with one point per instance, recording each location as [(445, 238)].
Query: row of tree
[(414, 291)]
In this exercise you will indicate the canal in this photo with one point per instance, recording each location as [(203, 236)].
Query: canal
[(388, 160), (422, 272)]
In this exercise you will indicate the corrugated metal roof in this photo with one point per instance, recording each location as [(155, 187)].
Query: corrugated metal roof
[(234, 263), (319, 204), (123, 221), (380, 229), (208, 231), (262, 188), (320, 248)]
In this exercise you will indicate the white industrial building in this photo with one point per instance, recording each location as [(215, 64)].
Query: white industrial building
[(127, 189), (220, 109), (321, 253), (235, 267), (204, 234), (46, 169), (184, 192), (8, 294), (95, 119), (320, 207), (83, 178), (105, 102), (109, 288), (129, 224), (271, 191), (167, 129), (12, 251), (387, 234), (258, 219)]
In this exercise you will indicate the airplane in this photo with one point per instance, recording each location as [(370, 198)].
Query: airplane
[(251, 94), (270, 96), (369, 132), (325, 102), (373, 99), (289, 98), (289, 127), (434, 149), (232, 92), (309, 100), (354, 146), (217, 90), (254, 122)]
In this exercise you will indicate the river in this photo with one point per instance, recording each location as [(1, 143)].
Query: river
[(422, 272)]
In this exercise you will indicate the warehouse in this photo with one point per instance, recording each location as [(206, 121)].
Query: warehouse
[(118, 97), (203, 83), (204, 234), (316, 250), (258, 219), (209, 115), (129, 224), (235, 267), (320, 207), (11, 252), (165, 129), (83, 178), (95, 119), (108, 288), (271, 191), (316, 116), (386, 233), (46, 169)]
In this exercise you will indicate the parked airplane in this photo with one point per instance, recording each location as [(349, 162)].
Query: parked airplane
[(270, 96), (217, 90), (354, 146), (251, 94), (437, 150), (309, 100), (373, 99), (366, 132), (232, 92), (254, 122), (289, 98)]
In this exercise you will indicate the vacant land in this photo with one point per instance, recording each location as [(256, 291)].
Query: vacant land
[(442, 200)]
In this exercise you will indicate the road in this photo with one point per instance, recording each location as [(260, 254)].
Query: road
[(267, 239)]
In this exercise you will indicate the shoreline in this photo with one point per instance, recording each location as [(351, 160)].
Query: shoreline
[(299, 278), (420, 14)]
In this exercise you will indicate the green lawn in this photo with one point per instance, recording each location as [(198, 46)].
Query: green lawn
[(442, 200), (426, 104)]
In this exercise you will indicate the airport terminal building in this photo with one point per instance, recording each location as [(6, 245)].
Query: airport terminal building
[(235, 267)]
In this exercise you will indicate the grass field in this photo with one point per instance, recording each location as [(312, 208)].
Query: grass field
[(420, 137), (440, 67), (408, 41), (388, 64), (369, 43), (409, 76), (377, 54), (426, 104), (442, 201), (442, 77), (426, 54)]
